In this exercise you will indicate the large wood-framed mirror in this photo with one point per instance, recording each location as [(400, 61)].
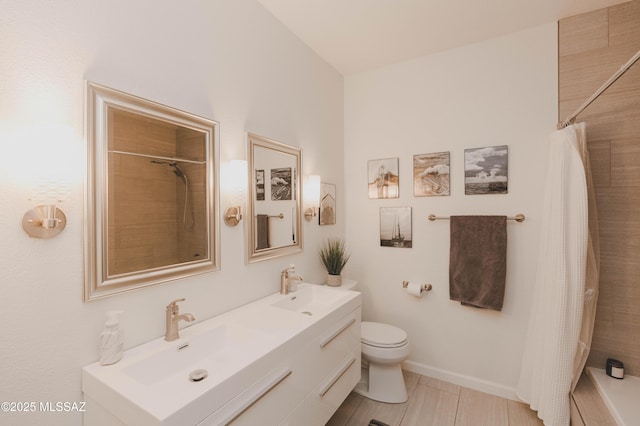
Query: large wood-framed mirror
[(274, 208), (151, 209)]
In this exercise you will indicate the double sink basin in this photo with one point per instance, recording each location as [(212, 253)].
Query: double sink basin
[(159, 379)]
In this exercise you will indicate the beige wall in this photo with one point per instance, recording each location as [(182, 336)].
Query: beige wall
[(501, 91), (592, 47), (230, 61)]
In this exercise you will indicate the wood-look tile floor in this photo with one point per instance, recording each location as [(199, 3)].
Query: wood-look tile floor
[(433, 402)]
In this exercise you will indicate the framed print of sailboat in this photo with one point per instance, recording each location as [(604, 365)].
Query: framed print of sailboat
[(395, 227)]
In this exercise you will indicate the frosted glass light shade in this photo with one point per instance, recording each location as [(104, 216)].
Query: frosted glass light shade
[(234, 184), (49, 192), (311, 196), (238, 182)]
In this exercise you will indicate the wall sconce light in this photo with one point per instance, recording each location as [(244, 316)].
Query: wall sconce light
[(46, 220), (47, 163), (311, 196), (235, 183)]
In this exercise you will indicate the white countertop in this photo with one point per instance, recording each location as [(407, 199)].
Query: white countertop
[(162, 398)]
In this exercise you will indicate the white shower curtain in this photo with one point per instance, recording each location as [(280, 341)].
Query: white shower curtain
[(559, 335)]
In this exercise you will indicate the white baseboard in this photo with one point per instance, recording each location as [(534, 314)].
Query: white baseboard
[(462, 380)]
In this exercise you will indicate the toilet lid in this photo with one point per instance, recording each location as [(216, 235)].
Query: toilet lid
[(382, 335)]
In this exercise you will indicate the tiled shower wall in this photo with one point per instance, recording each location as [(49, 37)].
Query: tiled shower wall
[(142, 228), (153, 229), (192, 241), (592, 47)]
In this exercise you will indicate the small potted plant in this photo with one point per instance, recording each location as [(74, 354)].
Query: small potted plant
[(334, 256)]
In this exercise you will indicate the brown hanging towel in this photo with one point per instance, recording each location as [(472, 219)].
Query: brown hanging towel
[(478, 260)]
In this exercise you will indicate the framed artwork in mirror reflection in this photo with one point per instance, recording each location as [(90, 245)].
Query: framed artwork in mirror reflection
[(259, 185), (281, 188)]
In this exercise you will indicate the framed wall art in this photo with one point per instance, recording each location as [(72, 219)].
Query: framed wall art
[(259, 185), (431, 174), (327, 214), (281, 188), (383, 178), (395, 227), (485, 170)]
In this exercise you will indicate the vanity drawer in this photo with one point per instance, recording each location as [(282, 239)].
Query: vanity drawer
[(266, 405), (267, 401), (339, 340), (331, 393)]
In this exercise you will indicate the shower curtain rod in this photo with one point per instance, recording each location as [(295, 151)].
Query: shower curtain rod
[(598, 92), (156, 157)]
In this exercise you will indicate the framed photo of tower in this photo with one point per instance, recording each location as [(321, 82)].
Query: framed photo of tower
[(259, 185), (383, 178)]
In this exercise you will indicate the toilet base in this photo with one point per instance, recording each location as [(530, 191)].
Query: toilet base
[(387, 386)]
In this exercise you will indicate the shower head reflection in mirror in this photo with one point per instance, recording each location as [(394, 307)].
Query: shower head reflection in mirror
[(187, 212)]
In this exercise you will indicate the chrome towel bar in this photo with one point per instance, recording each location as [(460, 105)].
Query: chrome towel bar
[(518, 218)]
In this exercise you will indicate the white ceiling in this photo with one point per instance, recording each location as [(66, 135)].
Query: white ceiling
[(357, 35)]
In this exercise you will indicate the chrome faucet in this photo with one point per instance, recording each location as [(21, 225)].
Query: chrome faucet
[(173, 317), (284, 280)]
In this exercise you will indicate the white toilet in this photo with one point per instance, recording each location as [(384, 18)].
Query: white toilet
[(384, 347)]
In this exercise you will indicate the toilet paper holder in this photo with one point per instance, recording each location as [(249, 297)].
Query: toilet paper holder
[(424, 288)]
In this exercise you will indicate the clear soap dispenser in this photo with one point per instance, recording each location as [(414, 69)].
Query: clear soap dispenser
[(111, 339), (292, 279)]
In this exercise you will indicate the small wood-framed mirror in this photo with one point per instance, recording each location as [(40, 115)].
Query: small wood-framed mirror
[(151, 209), (274, 208)]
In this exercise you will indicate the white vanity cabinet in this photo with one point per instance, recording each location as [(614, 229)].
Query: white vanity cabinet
[(267, 401), (281, 360), (313, 376), (334, 368)]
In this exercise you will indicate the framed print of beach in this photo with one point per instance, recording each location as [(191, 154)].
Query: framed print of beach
[(485, 170), (281, 188), (431, 174), (383, 178)]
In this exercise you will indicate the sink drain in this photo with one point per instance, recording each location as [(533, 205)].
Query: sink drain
[(198, 375), (306, 313)]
